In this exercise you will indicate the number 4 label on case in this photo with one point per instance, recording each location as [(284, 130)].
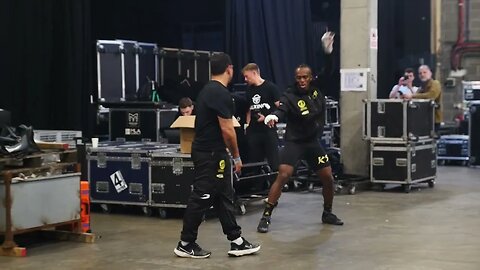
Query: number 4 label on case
[(118, 181)]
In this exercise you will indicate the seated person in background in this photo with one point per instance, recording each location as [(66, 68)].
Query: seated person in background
[(405, 87), (185, 106)]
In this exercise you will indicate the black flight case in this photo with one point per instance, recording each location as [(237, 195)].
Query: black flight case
[(474, 132), (398, 120), (403, 163)]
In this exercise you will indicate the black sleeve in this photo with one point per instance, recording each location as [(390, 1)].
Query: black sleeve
[(275, 92), (282, 111), (320, 80), (222, 104)]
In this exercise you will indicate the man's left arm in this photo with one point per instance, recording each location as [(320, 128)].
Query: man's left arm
[(328, 65)]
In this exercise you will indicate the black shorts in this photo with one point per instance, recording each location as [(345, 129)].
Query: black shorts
[(312, 152)]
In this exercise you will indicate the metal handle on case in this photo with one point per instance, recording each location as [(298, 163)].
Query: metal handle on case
[(135, 162), (380, 107), (412, 137), (381, 131), (414, 167), (158, 188), (433, 163), (101, 160), (100, 48), (377, 161), (102, 187), (177, 166), (135, 189), (401, 162)]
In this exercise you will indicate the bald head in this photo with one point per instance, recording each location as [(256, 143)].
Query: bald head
[(424, 73)]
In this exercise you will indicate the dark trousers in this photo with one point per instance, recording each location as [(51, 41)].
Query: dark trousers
[(212, 187), (261, 145)]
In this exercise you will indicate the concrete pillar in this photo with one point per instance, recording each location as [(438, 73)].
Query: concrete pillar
[(357, 19)]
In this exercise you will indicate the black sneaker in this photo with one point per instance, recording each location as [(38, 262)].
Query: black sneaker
[(245, 248), (330, 218), (263, 224), (192, 250)]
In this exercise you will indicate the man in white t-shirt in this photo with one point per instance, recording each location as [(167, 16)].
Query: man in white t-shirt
[(404, 88)]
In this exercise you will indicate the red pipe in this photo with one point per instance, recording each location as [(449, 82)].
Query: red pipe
[(461, 47)]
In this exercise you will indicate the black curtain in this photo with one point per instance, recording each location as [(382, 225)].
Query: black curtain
[(48, 63), (388, 48), (404, 40), (275, 34)]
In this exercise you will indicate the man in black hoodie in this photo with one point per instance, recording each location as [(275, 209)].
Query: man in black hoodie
[(303, 108)]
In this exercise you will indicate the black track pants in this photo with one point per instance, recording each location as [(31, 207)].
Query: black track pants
[(212, 187)]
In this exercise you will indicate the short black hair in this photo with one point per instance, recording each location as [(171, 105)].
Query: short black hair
[(304, 66), (409, 70), (219, 62)]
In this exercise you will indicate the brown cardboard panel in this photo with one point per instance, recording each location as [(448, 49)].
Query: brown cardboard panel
[(187, 133)]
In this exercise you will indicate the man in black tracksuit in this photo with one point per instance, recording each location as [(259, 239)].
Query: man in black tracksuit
[(303, 108), (263, 97), (214, 133)]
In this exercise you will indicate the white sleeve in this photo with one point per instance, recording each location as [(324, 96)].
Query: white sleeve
[(394, 92)]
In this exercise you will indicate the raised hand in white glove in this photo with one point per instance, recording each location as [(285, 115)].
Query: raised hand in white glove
[(271, 120), (327, 42)]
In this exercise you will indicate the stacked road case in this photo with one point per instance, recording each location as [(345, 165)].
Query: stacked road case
[(402, 149), (141, 124), (175, 63), (471, 90), (453, 148), (474, 132)]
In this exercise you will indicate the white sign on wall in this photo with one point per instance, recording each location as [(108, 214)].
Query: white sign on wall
[(354, 79), (373, 38)]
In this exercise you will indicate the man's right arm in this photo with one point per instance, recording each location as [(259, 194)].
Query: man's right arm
[(279, 113), (393, 93)]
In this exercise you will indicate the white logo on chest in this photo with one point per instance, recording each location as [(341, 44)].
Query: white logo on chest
[(256, 99)]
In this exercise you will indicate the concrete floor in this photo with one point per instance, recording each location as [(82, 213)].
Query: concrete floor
[(435, 228)]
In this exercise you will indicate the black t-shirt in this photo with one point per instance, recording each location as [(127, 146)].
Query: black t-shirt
[(212, 102), (262, 100)]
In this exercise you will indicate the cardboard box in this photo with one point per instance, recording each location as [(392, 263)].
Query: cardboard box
[(187, 131)]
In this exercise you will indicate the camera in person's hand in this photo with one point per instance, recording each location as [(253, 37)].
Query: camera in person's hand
[(406, 77)]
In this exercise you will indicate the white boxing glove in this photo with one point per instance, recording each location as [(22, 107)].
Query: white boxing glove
[(327, 42), (269, 118)]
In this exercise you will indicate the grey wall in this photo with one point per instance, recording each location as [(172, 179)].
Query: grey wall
[(470, 62)]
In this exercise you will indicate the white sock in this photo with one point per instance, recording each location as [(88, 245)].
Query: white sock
[(184, 243), (238, 241)]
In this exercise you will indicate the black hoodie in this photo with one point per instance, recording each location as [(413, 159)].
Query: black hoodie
[(304, 113)]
